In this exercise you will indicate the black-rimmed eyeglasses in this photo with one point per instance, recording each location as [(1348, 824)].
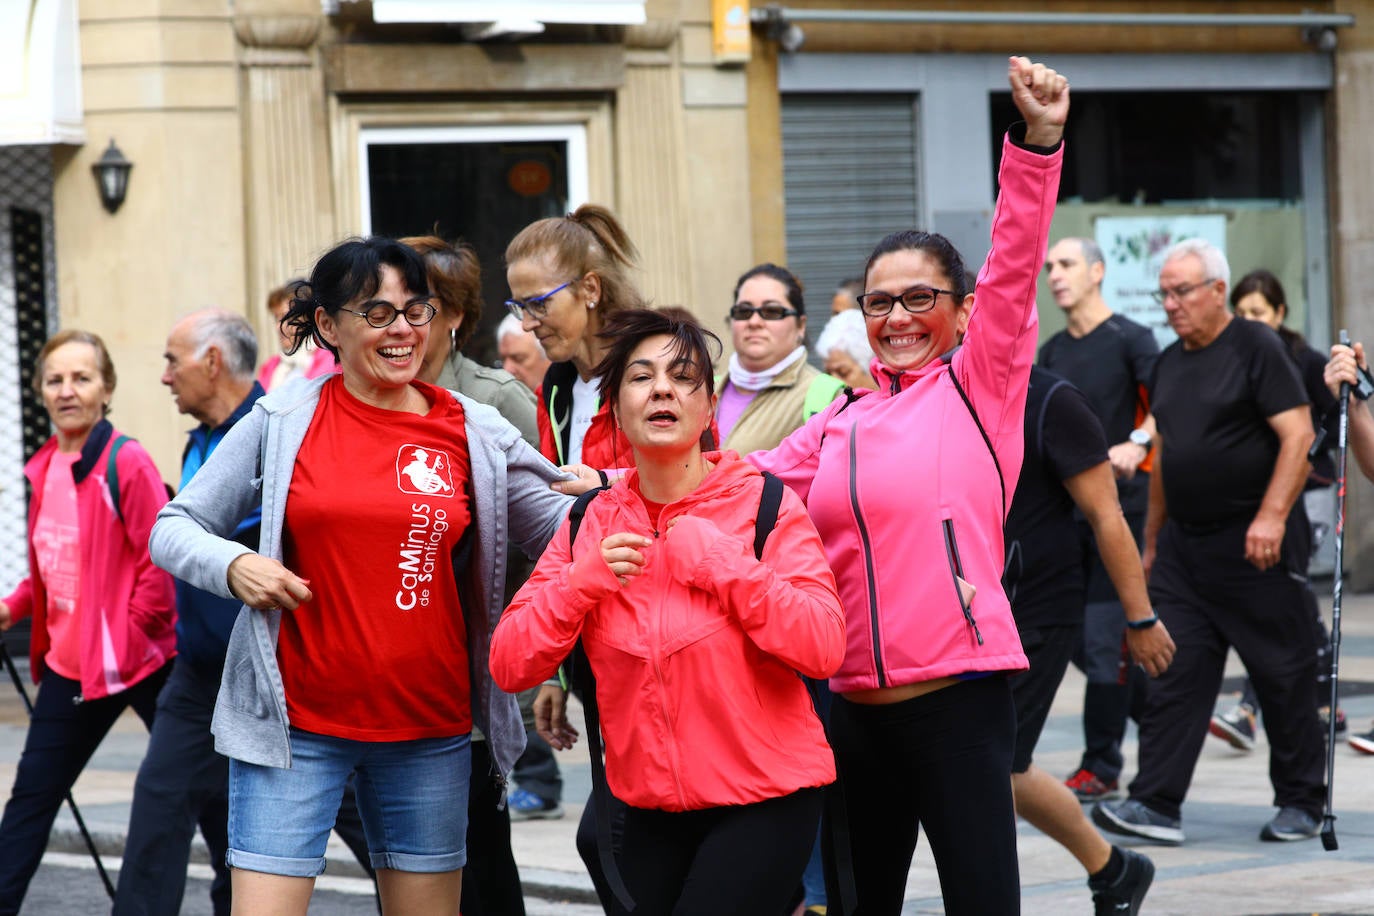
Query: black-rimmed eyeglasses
[(417, 312), (917, 299), (1178, 292), (769, 311), (535, 306)]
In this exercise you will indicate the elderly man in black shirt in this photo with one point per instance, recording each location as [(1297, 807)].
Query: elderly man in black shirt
[(1224, 559)]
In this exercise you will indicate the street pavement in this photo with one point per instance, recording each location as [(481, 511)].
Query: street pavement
[(1221, 870)]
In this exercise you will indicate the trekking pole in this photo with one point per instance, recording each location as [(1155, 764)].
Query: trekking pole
[(1342, 433), (71, 802)]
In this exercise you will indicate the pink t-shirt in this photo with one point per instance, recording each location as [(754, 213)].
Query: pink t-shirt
[(57, 547)]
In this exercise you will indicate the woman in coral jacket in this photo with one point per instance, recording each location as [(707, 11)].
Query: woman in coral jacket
[(909, 487), (103, 615), (695, 643)]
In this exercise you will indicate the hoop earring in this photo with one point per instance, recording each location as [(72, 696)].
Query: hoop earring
[(453, 340)]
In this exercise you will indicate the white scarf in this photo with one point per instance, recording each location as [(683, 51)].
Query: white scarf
[(744, 380)]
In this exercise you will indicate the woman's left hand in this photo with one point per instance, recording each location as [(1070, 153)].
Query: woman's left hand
[(1042, 97)]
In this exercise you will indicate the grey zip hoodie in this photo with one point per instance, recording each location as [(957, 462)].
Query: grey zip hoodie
[(252, 466)]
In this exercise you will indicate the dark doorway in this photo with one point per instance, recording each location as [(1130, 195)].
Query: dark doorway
[(483, 193)]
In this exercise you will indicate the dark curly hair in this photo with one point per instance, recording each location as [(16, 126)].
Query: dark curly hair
[(349, 271)]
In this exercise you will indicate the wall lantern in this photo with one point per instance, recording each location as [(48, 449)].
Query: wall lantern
[(111, 172)]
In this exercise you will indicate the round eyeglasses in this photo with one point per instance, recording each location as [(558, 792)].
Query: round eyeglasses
[(417, 312)]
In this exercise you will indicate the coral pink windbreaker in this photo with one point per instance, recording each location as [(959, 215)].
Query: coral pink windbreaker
[(696, 659), (128, 609), (902, 486)]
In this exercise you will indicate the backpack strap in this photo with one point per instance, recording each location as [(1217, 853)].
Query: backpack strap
[(1001, 481), (578, 511), (112, 476), (770, 501)]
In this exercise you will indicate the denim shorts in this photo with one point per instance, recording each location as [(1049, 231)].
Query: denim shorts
[(412, 795)]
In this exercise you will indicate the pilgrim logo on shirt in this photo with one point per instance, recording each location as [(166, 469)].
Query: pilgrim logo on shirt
[(424, 470)]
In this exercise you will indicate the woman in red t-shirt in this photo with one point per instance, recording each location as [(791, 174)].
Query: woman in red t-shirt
[(382, 526)]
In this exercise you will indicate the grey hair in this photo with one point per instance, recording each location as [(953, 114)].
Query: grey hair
[(1092, 252), (232, 334), (511, 325), (849, 332), (1214, 264)]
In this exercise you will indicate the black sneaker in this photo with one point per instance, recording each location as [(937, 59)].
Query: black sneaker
[(1125, 894), (1131, 818), (1236, 727), (1290, 824)]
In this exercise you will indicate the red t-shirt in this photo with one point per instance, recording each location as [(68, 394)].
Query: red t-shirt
[(378, 500)]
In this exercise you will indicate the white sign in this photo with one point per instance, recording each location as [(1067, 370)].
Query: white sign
[(1133, 247)]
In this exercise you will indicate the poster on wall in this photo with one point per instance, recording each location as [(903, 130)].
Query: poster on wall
[(1133, 247)]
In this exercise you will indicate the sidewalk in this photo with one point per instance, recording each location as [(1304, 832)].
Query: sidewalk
[(1222, 869)]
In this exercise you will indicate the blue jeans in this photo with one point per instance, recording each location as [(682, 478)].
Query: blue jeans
[(64, 732), (412, 795)]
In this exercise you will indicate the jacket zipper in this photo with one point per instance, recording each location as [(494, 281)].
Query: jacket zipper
[(657, 653), (868, 553), (956, 572)]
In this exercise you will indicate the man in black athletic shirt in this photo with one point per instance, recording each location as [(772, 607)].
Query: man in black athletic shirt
[(1110, 359), (1231, 459), (1065, 466)]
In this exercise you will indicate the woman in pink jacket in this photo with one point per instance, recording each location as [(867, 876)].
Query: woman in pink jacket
[(695, 641), (103, 615), (909, 487)]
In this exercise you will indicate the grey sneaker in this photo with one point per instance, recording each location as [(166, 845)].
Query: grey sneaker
[(1132, 818), (1290, 824), (1125, 895)]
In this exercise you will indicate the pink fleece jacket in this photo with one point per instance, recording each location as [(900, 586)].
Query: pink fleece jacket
[(128, 609), (901, 484)]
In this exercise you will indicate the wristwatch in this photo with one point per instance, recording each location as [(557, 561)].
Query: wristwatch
[(1140, 437)]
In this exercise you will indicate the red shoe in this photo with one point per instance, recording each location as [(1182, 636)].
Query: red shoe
[(1088, 788)]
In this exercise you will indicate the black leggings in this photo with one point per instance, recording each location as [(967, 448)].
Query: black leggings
[(942, 761), (738, 860)]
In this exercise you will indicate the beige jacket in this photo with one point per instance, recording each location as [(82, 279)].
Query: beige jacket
[(781, 407)]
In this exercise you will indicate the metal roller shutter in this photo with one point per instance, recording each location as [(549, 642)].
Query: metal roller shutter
[(849, 177)]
